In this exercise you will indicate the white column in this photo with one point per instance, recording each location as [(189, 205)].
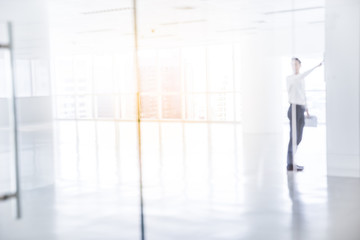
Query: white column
[(261, 84), (342, 43)]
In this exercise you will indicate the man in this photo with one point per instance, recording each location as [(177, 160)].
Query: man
[(296, 93)]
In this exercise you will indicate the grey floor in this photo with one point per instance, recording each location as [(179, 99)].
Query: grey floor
[(216, 196)]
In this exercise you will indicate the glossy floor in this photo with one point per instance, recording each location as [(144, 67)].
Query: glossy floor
[(239, 192)]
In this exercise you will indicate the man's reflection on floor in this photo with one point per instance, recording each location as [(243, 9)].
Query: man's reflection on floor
[(297, 216)]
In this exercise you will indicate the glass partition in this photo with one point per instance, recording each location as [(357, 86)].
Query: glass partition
[(7, 180), (211, 99)]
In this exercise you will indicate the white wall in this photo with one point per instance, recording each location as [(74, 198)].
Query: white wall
[(342, 82)]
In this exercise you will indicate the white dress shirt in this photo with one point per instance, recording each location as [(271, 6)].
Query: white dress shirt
[(296, 87)]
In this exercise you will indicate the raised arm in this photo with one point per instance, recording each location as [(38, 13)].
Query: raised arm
[(304, 74)]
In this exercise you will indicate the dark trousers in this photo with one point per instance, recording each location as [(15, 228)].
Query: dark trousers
[(300, 123)]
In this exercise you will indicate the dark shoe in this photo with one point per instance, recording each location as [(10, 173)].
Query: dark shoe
[(298, 168)]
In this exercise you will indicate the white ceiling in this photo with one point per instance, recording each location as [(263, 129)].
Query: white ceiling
[(171, 22)]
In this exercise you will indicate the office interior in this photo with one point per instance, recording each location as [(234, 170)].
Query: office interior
[(134, 119)]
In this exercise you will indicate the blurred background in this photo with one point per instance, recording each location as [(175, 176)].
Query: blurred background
[(213, 118)]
